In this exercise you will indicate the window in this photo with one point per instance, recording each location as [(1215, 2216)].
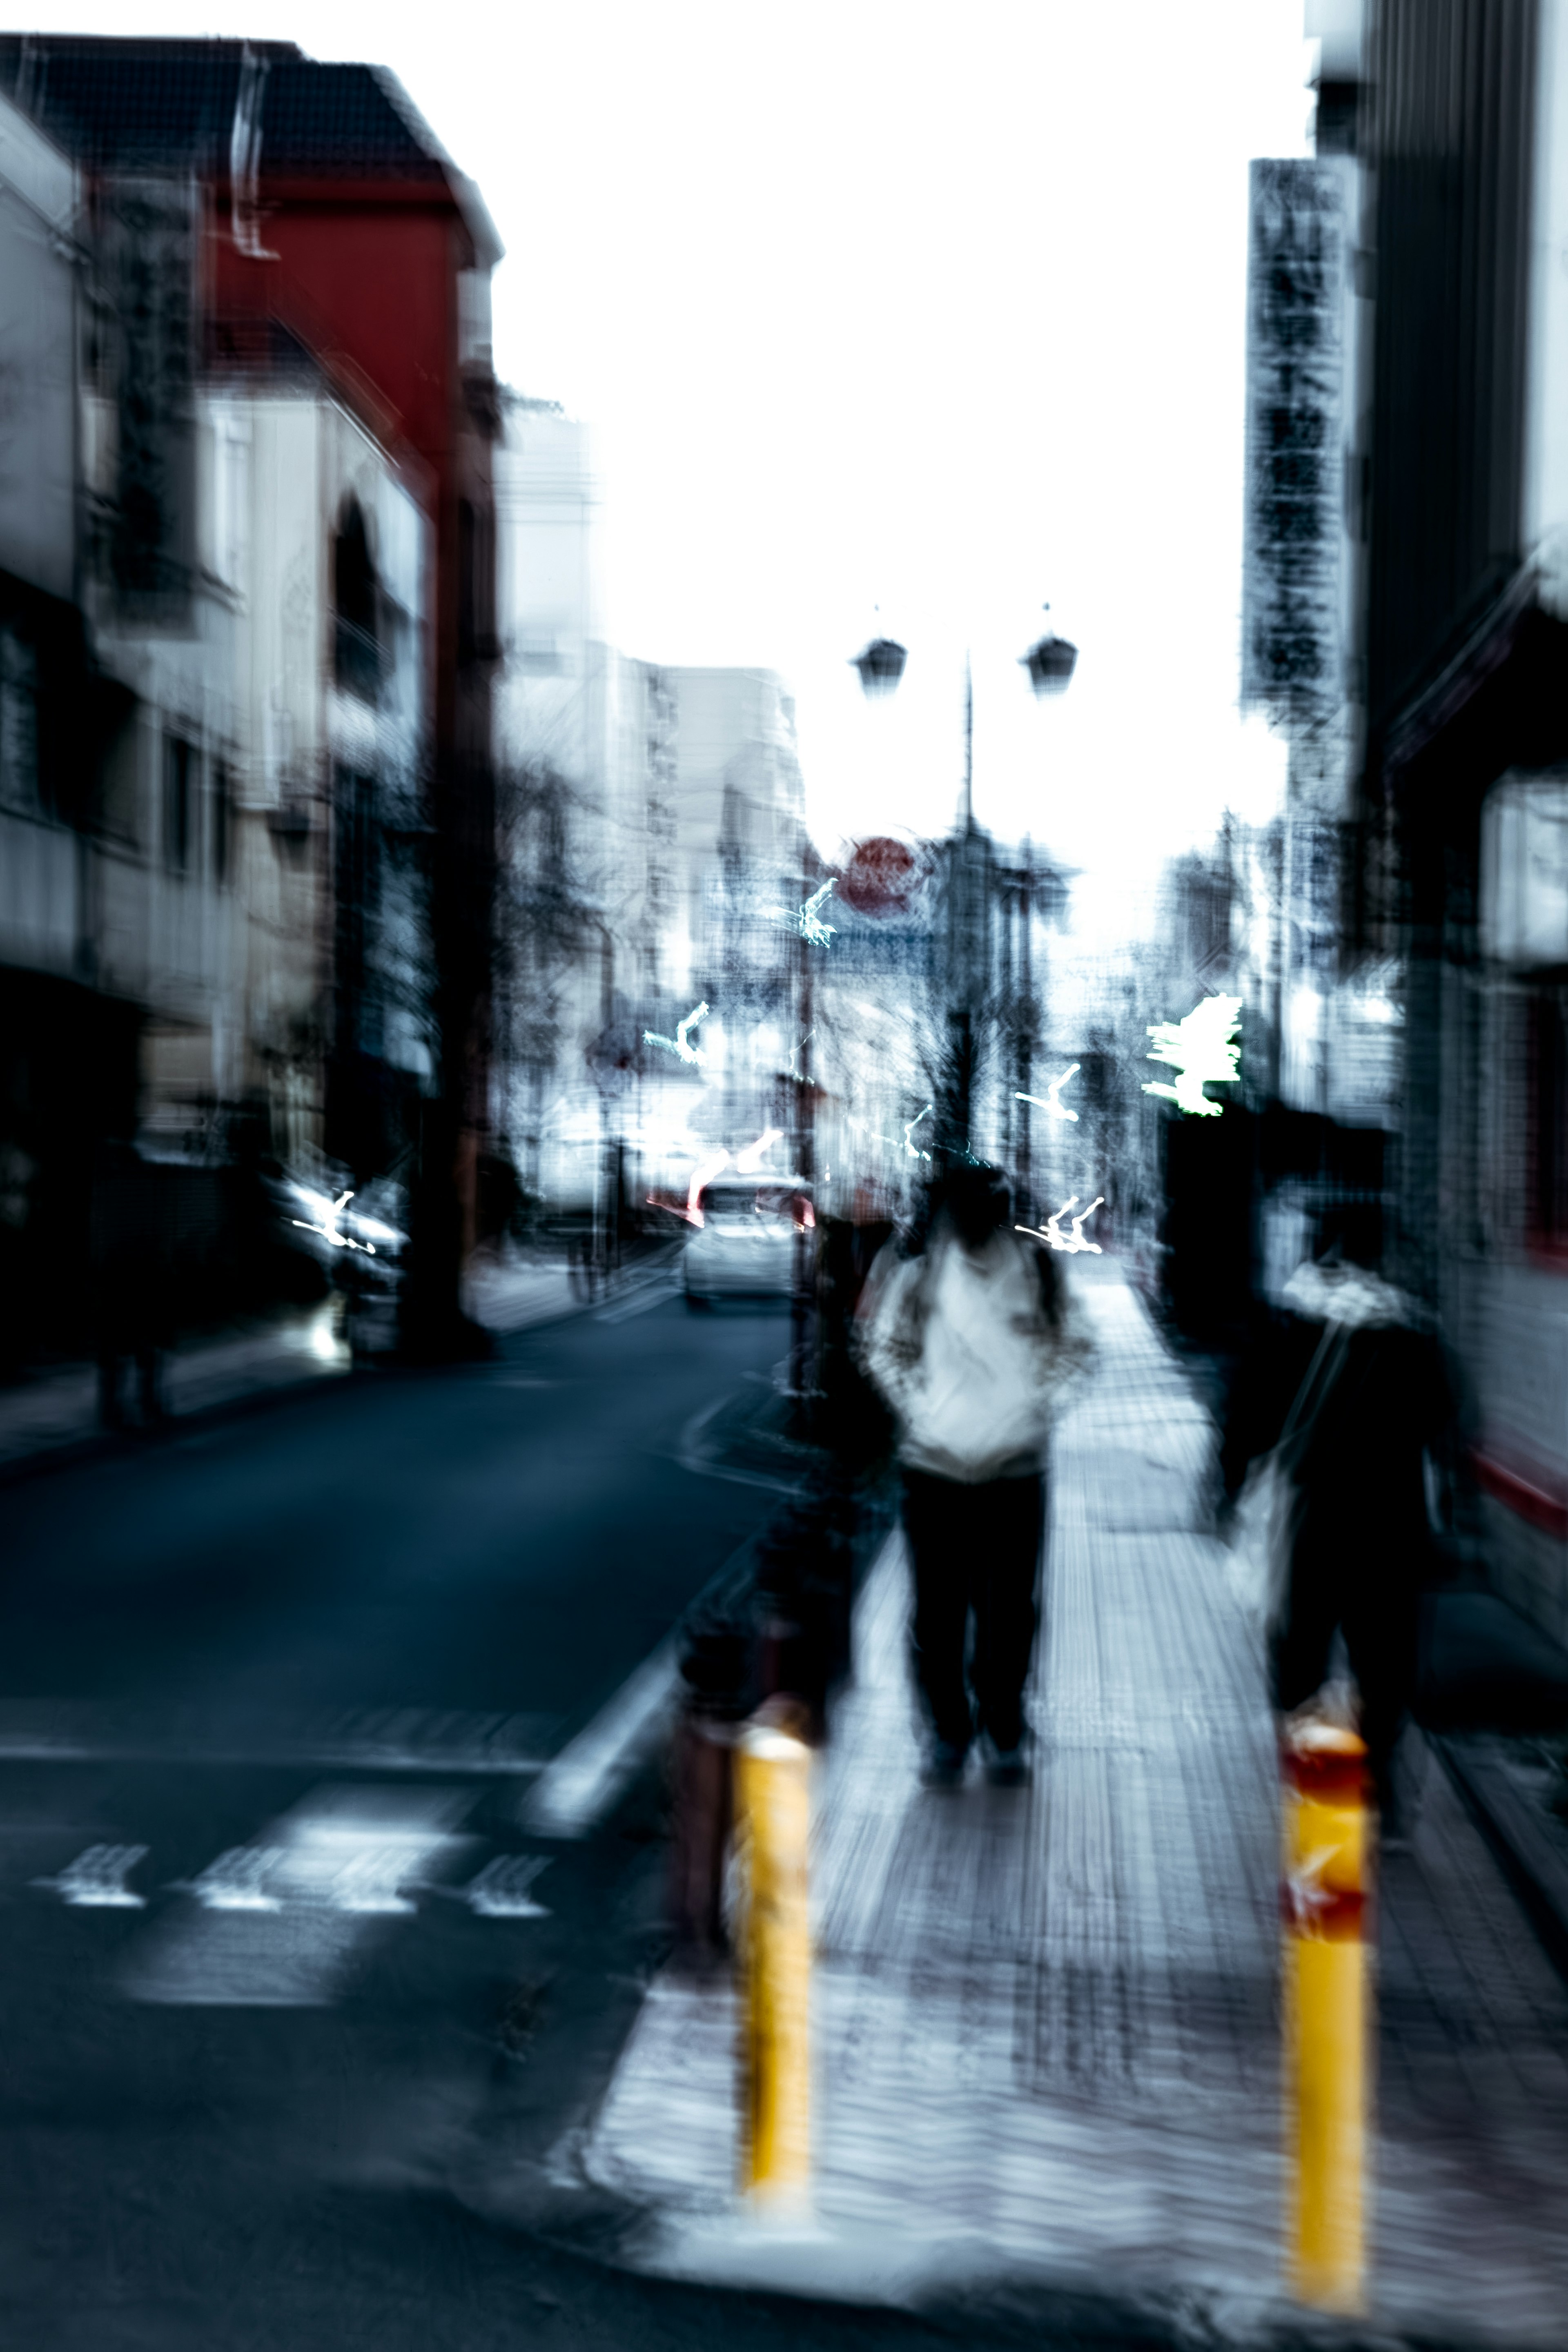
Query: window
[(18, 724), (176, 803), (356, 649), (1547, 1200), (476, 583), (222, 818)]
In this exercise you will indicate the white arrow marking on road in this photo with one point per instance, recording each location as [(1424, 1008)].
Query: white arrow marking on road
[(276, 1923), (236, 1880), (96, 1880)]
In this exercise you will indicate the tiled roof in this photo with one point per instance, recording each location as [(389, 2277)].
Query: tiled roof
[(130, 104)]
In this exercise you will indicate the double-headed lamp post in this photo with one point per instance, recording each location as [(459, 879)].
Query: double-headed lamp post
[(1050, 662)]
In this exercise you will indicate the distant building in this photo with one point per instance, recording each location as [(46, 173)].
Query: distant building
[(652, 853)]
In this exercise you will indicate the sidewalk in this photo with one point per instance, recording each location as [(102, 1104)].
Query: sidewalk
[(1045, 2023), (57, 1412)]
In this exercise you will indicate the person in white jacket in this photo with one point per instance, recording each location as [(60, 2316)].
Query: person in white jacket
[(966, 1329)]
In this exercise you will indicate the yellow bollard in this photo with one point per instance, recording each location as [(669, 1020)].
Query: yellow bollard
[(1328, 2013), (772, 1822)]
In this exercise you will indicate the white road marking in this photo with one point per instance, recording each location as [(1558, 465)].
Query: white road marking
[(652, 1293), (414, 1741), (692, 1453), (236, 1881), (96, 1880), (579, 1786), (275, 1925), (501, 1889)]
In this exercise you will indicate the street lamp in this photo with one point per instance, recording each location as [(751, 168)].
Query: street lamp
[(880, 664), (1050, 663)]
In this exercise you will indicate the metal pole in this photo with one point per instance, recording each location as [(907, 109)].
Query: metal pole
[(805, 1125), (772, 1798), (1328, 2013), (1025, 1037)]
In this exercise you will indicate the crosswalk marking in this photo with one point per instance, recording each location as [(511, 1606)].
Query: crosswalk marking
[(277, 1924)]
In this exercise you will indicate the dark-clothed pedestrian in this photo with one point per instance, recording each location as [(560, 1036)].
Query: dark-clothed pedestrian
[(130, 1266), (1353, 1535), (966, 1329)]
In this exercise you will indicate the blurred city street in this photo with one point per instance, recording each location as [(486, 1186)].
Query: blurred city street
[(338, 1646), (784, 1178)]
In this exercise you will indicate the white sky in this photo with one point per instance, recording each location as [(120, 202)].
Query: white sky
[(937, 310)]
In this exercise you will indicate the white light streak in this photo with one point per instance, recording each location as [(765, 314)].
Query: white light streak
[(327, 1223), (811, 928), (704, 1173), (796, 1051), (1074, 1244), (805, 919), (1203, 1046), (751, 1158), (912, 1149), (681, 1045), (1050, 1100)]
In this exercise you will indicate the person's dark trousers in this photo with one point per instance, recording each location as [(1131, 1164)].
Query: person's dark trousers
[(1372, 1593), (975, 1547)]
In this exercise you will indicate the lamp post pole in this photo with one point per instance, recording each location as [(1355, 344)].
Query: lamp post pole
[(805, 1155), (1050, 663)]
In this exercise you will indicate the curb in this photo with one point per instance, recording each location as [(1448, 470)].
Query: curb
[(1532, 1860)]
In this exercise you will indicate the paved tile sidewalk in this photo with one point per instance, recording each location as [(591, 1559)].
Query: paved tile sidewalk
[(1046, 2022), (60, 1408)]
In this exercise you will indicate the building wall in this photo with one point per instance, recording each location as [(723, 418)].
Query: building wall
[(39, 271), (1453, 92)]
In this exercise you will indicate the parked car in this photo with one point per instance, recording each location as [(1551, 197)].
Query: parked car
[(744, 1247)]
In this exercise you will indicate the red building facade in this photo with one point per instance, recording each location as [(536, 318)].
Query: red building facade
[(331, 218)]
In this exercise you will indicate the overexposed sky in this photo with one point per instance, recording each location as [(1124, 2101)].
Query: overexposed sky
[(940, 310)]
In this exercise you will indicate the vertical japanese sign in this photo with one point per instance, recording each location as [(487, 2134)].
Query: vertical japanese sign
[(1292, 588), (148, 253)]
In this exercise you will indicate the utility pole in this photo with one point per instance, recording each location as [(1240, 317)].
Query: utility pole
[(1026, 1032), (805, 1154), (966, 941)]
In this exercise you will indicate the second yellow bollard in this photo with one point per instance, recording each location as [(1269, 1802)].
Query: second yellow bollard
[(772, 1821), (1327, 2013)]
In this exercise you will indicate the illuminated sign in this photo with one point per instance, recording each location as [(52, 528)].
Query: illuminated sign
[(681, 1045), (1051, 1099), (1201, 1047)]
